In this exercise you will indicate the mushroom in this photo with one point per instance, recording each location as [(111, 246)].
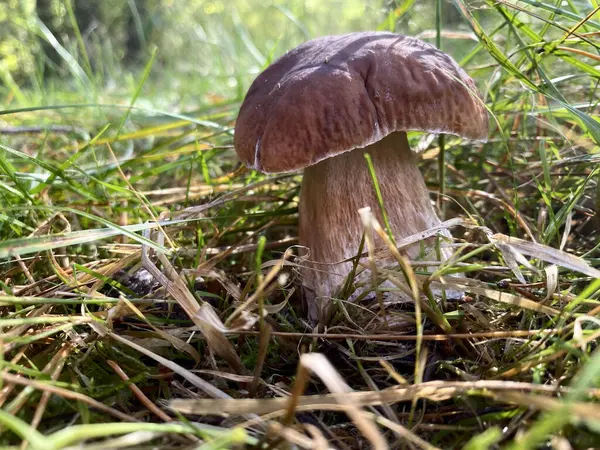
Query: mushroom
[(321, 106)]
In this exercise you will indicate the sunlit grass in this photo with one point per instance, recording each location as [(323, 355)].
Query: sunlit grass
[(136, 253)]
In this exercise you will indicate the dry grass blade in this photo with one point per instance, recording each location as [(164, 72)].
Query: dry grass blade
[(176, 342), (476, 287), (268, 279), (319, 441), (194, 379), (320, 366), (367, 220), (546, 253), (583, 411), (405, 433), (512, 334), (293, 436), (432, 390), (433, 231), (139, 394), (203, 316), (263, 347), (211, 327), (302, 378), (551, 282)]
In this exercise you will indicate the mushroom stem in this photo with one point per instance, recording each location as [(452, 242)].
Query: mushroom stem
[(333, 191)]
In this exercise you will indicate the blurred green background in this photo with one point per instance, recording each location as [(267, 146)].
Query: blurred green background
[(95, 49)]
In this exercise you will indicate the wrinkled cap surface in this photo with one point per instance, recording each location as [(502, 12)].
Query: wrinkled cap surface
[(337, 93)]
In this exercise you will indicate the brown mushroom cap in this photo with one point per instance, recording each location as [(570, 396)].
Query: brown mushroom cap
[(337, 93)]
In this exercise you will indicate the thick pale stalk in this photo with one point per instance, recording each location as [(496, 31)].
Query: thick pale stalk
[(332, 193)]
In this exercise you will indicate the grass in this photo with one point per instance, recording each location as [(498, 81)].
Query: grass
[(148, 287)]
